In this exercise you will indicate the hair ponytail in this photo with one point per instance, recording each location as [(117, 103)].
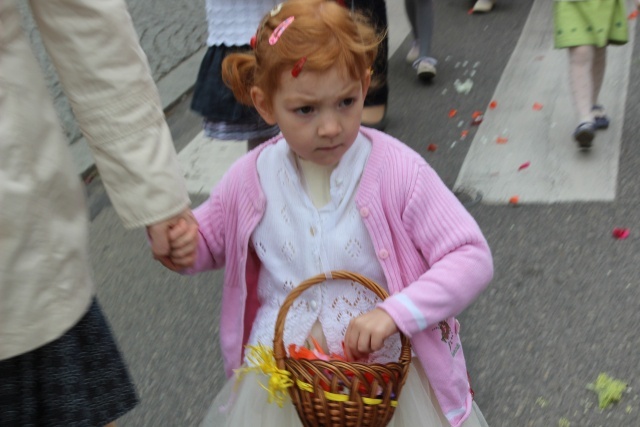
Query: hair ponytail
[(238, 71)]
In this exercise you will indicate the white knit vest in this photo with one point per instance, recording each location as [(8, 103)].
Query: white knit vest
[(295, 240)]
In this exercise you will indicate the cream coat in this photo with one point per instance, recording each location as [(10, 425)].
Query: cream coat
[(45, 278)]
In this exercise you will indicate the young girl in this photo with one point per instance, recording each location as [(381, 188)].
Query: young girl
[(231, 25), (329, 195), (586, 27)]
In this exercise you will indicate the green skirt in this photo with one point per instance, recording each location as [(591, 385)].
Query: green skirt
[(589, 22)]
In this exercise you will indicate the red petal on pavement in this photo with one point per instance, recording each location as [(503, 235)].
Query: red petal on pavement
[(453, 112), (470, 11), (464, 133), (502, 140), (514, 200), (477, 120), (633, 15), (620, 233), (432, 147), (476, 114), (524, 165), (493, 105), (537, 106)]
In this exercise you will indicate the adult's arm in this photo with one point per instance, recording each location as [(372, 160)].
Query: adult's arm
[(106, 77)]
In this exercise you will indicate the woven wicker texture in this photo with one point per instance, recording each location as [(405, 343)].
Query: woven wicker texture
[(318, 391)]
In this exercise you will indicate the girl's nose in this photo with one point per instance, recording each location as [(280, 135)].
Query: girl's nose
[(330, 126)]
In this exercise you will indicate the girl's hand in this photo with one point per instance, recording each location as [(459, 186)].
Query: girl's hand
[(366, 334), (183, 239)]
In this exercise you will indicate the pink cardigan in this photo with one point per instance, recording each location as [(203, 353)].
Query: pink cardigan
[(434, 256)]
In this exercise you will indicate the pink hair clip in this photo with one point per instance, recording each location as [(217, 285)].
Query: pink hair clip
[(298, 67), (277, 33)]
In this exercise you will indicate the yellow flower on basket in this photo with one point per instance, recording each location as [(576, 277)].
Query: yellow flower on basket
[(260, 358)]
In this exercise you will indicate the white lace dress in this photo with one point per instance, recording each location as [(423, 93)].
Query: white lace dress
[(312, 225)]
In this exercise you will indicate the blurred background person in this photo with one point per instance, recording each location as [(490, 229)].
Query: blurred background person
[(231, 25)]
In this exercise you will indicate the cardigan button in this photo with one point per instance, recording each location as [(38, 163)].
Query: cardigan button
[(364, 212), (383, 254)]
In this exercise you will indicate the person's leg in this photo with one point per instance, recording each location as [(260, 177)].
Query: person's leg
[(581, 78), (582, 89), (374, 113), (598, 69), (425, 64), (414, 51)]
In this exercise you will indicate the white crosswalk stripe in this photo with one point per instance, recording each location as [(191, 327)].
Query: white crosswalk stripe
[(558, 171)]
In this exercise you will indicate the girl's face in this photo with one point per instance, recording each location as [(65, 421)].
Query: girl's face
[(318, 112)]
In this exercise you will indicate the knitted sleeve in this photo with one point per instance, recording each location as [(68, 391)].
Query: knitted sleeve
[(458, 256)]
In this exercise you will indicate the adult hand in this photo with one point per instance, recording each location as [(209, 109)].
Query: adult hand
[(161, 244), (366, 334)]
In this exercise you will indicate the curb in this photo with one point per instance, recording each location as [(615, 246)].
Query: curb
[(172, 88)]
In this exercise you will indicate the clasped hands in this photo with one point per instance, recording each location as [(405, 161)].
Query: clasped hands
[(174, 241)]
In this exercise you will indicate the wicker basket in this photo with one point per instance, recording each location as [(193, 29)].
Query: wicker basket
[(318, 386)]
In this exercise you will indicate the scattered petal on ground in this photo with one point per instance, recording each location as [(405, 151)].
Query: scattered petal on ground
[(542, 402), (464, 134), (502, 140), (476, 114), (620, 233), (432, 147), (493, 105), (453, 112), (609, 390), (477, 120), (633, 15), (524, 165), (563, 422), (463, 87), (514, 200), (537, 106)]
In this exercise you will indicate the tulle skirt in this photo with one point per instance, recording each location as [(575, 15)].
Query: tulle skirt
[(245, 404)]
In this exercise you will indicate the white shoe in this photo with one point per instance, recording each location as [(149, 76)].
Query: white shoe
[(425, 68), (414, 52), (483, 6)]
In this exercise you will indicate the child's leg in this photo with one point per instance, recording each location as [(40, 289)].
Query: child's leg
[(581, 77), (597, 71)]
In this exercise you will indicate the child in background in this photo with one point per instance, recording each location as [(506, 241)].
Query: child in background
[(587, 27), (231, 25), (420, 14), (328, 195)]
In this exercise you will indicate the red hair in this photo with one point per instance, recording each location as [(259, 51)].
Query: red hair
[(322, 31)]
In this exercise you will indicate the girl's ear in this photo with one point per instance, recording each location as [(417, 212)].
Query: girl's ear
[(261, 104)]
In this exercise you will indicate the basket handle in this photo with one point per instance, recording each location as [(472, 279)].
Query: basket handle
[(278, 339)]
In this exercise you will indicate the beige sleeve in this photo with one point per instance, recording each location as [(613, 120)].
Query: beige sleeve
[(106, 77)]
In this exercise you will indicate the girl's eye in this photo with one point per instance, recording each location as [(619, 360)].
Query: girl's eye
[(305, 110), (348, 102)]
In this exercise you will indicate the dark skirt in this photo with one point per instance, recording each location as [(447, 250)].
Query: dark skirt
[(80, 379), (224, 117)]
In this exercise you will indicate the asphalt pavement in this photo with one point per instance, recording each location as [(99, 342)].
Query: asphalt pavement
[(561, 309)]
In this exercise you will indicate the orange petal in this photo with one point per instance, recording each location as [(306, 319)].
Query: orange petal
[(514, 200), (493, 105), (502, 140), (537, 106), (453, 112)]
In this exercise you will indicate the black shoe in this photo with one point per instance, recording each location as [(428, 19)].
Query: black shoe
[(584, 134)]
